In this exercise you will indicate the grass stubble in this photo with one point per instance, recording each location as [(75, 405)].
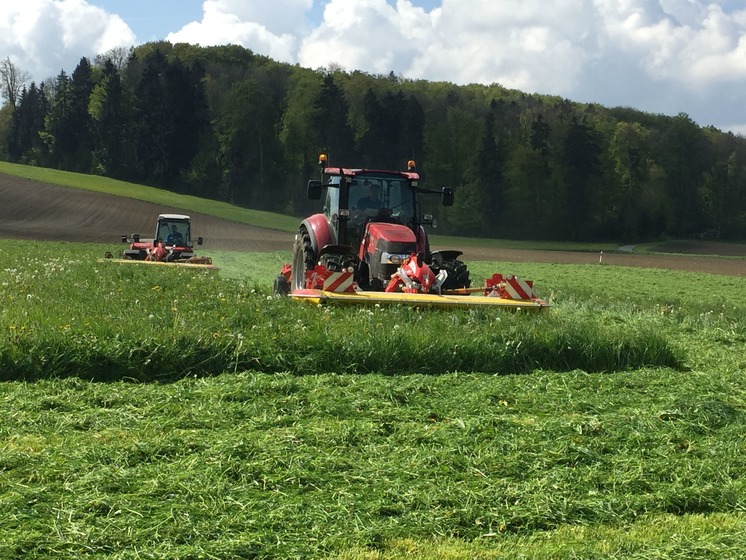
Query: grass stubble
[(152, 413)]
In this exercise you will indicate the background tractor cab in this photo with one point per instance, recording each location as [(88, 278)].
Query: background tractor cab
[(371, 238), (175, 230)]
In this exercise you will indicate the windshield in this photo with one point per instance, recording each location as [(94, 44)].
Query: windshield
[(173, 232), (378, 198), (374, 192)]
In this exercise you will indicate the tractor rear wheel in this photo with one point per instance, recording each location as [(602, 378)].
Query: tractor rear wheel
[(458, 273), (303, 259)]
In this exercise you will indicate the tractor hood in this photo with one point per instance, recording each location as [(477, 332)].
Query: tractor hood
[(384, 248), (396, 238)]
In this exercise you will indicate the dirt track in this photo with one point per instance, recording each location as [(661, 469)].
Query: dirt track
[(33, 210)]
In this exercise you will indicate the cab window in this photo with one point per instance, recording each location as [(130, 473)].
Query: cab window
[(331, 202)]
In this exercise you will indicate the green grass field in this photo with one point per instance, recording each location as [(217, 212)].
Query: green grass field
[(153, 413)]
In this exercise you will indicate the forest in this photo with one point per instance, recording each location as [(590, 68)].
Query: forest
[(228, 124)]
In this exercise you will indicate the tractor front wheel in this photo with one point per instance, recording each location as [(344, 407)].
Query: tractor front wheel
[(303, 259), (281, 286)]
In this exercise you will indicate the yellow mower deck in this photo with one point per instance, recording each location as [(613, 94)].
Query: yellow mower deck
[(206, 266), (321, 297)]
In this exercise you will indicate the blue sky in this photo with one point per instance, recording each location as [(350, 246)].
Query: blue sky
[(659, 56), (152, 20)]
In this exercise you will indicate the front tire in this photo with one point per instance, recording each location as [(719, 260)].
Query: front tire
[(458, 275), (304, 259), (281, 286)]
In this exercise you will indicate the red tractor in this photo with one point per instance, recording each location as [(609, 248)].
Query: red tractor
[(369, 244), (172, 244)]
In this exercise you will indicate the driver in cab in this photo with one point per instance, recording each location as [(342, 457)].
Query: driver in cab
[(174, 237), (373, 200)]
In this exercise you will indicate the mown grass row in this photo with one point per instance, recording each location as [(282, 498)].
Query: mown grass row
[(101, 321), (350, 342), (653, 537)]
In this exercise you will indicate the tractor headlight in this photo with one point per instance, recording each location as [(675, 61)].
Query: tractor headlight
[(393, 258)]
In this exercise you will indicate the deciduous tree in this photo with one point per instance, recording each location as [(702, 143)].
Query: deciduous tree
[(12, 80)]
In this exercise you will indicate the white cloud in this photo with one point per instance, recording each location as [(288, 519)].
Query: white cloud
[(45, 36), (278, 16), (688, 42), (264, 27), (369, 35), (517, 44), (664, 56), (535, 46)]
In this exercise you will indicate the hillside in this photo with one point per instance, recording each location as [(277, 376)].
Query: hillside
[(40, 211)]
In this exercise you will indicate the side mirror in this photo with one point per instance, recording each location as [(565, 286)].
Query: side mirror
[(447, 196), (429, 220), (314, 190)]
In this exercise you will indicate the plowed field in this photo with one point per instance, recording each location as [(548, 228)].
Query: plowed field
[(39, 211)]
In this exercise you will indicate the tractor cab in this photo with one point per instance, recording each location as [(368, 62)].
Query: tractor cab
[(368, 198), (174, 230)]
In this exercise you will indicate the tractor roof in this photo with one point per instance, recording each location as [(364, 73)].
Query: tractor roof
[(410, 175), (174, 217)]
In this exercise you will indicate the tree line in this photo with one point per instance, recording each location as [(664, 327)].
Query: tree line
[(225, 123)]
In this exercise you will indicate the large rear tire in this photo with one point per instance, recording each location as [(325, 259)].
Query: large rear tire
[(304, 259), (458, 273)]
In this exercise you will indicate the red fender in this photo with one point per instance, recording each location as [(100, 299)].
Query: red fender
[(319, 231), (423, 244)]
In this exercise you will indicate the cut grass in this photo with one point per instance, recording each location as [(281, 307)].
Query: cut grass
[(104, 321), (652, 537), (290, 431), (251, 465)]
